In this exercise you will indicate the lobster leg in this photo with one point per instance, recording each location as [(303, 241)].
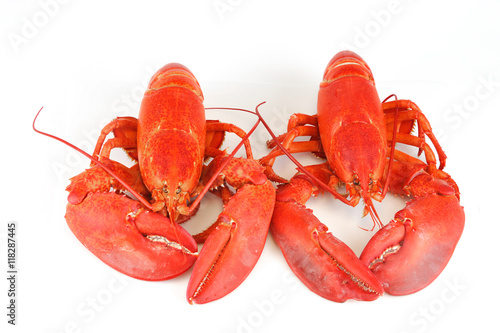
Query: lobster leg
[(408, 113), (218, 127), (287, 140), (214, 138), (297, 120), (131, 239), (95, 179), (233, 248), (322, 262), (297, 126), (125, 131), (410, 252)]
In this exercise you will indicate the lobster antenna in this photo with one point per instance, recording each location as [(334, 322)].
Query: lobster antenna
[(96, 161), (299, 165), (196, 202), (373, 214), (393, 145)]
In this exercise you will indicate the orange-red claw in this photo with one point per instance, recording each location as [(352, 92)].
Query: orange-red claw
[(412, 250), (238, 172), (233, 248), (94, 179), (321, 261), (412, 179), (114, 228)]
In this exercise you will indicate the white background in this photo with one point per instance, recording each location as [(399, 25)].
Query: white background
[(87, 62)]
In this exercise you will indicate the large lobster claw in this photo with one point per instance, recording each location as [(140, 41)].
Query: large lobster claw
[(411, 251), (131, 239), (322, 262), (233, 248)]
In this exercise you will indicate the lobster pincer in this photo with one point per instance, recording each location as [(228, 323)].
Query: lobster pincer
[(411, 251), (321, 261), (131, 239)]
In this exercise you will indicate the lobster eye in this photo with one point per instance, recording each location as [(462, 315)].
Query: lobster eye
[(178, 191), (355, 182), (371, 182)]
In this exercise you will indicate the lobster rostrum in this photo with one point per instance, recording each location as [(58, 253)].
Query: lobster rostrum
[(356, 133), (172, 143)]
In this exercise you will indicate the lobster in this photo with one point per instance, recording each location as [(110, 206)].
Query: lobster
[(356, 133), (171, 142)]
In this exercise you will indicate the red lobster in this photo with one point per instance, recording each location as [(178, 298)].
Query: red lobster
[(356, 133), (170, 141)]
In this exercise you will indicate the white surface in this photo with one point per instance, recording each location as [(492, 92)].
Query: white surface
[(85, 60)]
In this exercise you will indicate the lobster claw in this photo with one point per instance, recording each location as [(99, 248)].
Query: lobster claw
[(322, 262), (411, 251), (233, 248), (131, 239)]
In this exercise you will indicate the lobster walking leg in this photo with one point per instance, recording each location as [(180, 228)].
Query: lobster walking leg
[(125, 136), (218, 127), (297, 126), (409, 112)]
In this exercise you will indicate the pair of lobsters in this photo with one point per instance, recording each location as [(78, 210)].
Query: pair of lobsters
[(130, 217)]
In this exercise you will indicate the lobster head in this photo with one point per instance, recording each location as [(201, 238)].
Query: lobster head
[(353, 134), (171, 138), (361, 169)]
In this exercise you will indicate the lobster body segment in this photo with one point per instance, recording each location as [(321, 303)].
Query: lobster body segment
[(171, 135), (350, 119)]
